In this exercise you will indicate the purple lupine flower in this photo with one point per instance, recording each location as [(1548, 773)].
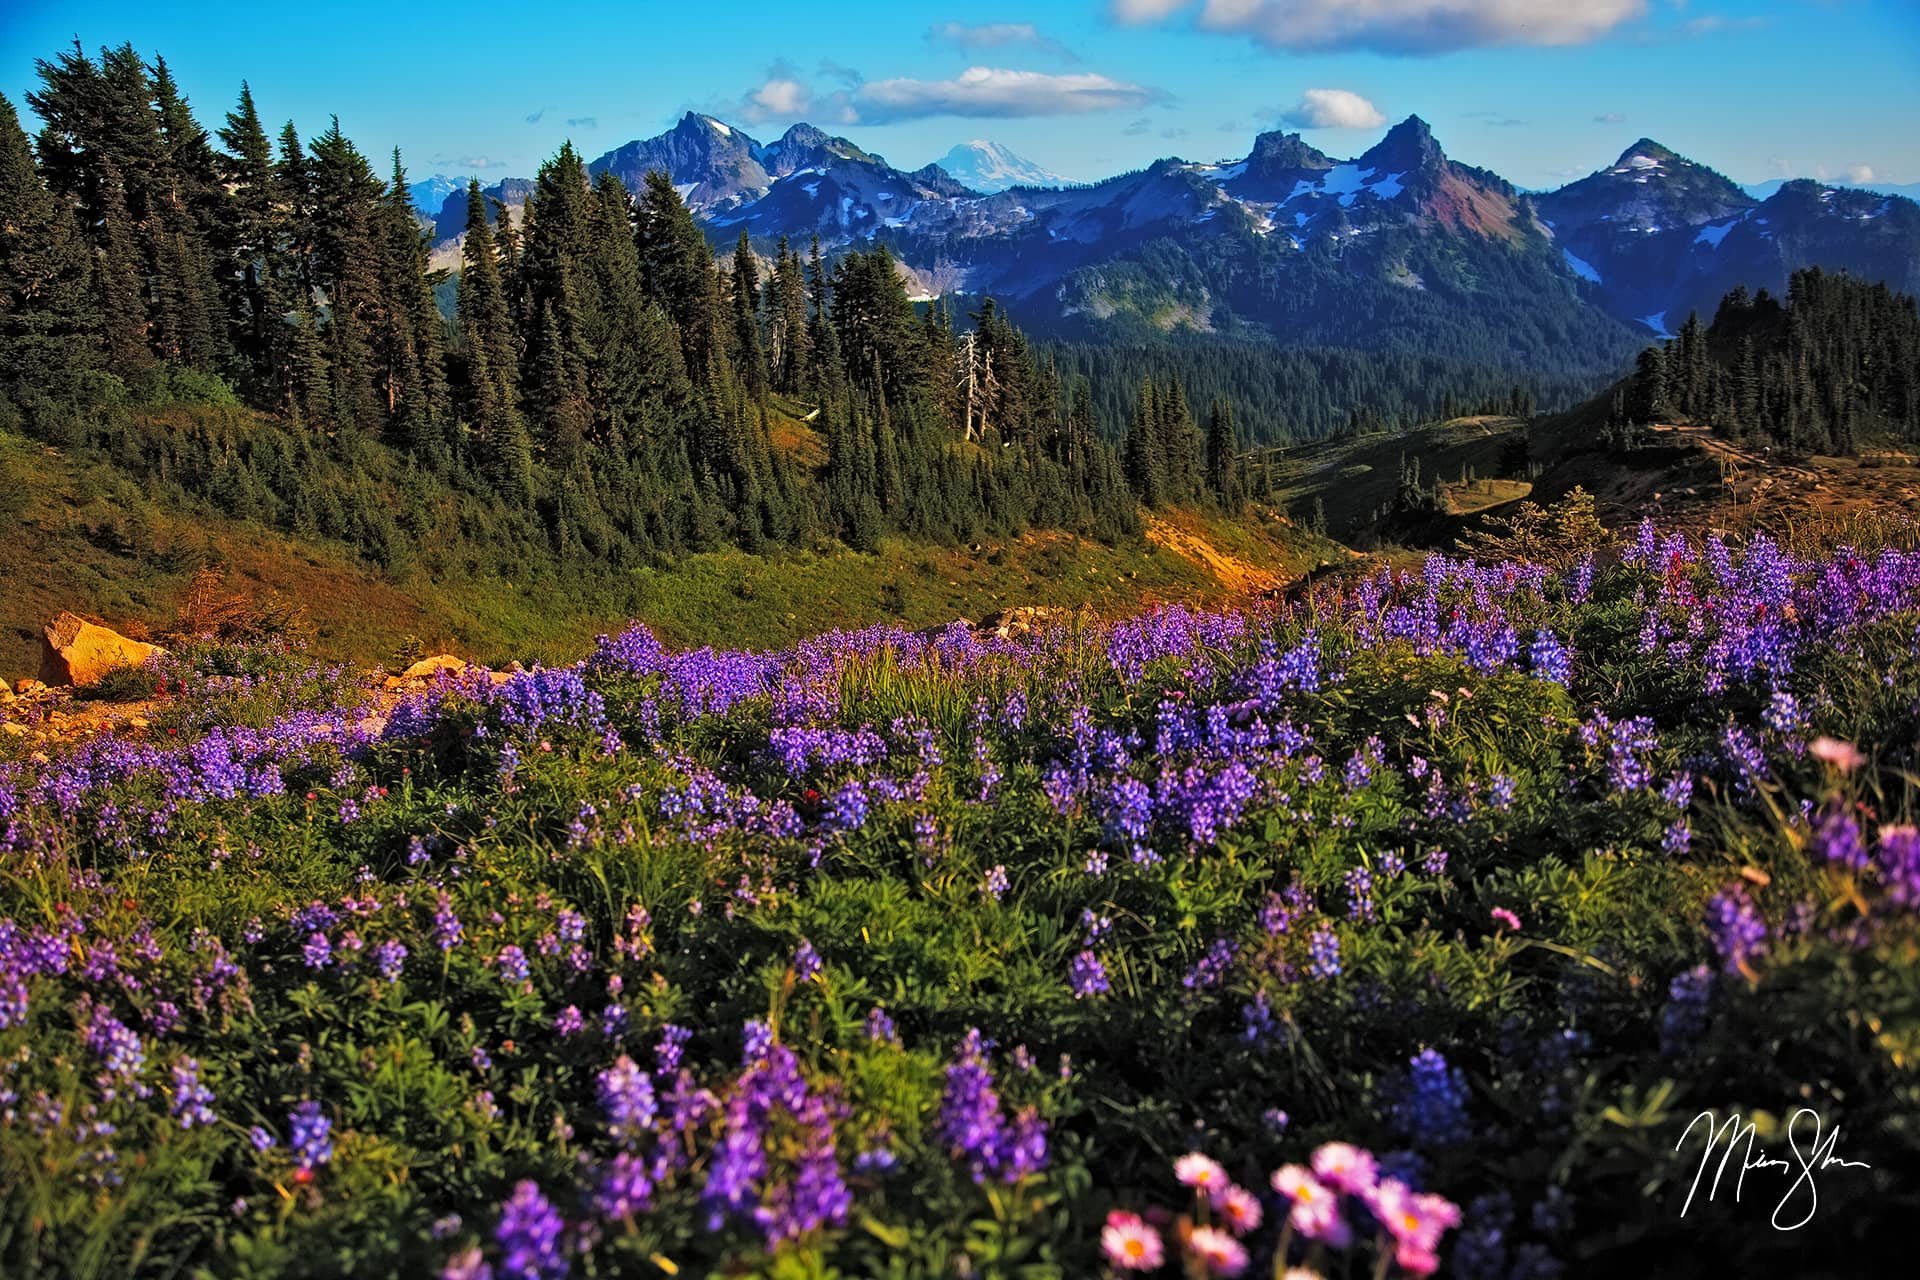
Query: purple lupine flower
[(880, 1028), (1548, 660), (389, 957), (318, 952), (756, 1041), (971, 1121), (1211, 969), (624, 1188), (673, 1043), (118, 1046), (310, 1136), (1898, 856), (1360, 904), (995, 885), (529, 1236), (626, 1099), (1432, 1106), (1837, 841), (1782, 713), (569, 1021), (1261, 1025), (1087, 976), (512, 963), (192, 1100), (1733, 922), (1685, 1017), (1323, 949), (446, 924), (806, 962)]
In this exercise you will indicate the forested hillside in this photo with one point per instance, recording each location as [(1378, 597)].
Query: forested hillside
[(608, 390), (1834, 365)]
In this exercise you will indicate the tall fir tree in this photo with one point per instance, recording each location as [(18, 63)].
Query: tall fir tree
[(749, 356), (1223, 448), (49, 317)]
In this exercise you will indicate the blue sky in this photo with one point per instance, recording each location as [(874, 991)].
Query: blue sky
[(1538, 90)]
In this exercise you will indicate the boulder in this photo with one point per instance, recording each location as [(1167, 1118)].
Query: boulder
[(27, 686), (427, 668), (1024, 620), (75, 652)]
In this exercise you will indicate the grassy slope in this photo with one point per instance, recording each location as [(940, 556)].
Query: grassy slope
[(1354, 476), (76, 533)]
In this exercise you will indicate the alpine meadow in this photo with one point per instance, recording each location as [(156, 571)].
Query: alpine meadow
[(730, 708)]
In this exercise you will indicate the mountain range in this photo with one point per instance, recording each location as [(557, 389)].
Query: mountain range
[(1398, 247)]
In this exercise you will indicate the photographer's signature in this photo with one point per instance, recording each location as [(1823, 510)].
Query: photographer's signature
[(1812, 1153)]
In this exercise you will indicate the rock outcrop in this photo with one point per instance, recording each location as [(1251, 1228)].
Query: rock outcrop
[(75, 653), (427, 669), (1023, 620)]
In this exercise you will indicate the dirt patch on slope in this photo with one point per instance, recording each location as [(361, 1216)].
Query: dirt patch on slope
[(1235, 574)]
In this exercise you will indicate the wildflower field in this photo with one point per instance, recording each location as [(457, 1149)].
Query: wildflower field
[(1406, 928)]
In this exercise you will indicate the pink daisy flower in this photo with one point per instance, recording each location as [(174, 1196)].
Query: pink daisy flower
[(1201, 1173), (1296, 1182), (1239, 1210), (1843, 756), (1416, 1223), (1345, 1167), (1130, 1244), (1222, 1254)]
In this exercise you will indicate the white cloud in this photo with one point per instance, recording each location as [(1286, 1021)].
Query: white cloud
[(1395, 26), (978, 91), (782, 97), (994, 91), (1860, 173), (1333, 109), (998, 35), (1610, 117)]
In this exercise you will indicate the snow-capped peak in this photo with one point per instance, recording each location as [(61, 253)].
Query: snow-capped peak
[(988, 166)]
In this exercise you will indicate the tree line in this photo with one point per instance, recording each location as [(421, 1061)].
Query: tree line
[(607, 387), (1834, 365)]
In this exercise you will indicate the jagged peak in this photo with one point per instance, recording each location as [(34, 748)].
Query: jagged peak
[(805, 135), (1408, 145), (1277, 150)]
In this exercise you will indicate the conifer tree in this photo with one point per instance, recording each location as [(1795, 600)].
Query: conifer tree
[(49, 318), (118, 277), (788, 314), (251, 250), (749, 357), (345, 268), (1223, 447), (677, 268), (1145, 458)]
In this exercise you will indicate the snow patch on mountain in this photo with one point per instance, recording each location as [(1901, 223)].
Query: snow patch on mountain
[(1713, 234), (1658, 323), (1580, 266)]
